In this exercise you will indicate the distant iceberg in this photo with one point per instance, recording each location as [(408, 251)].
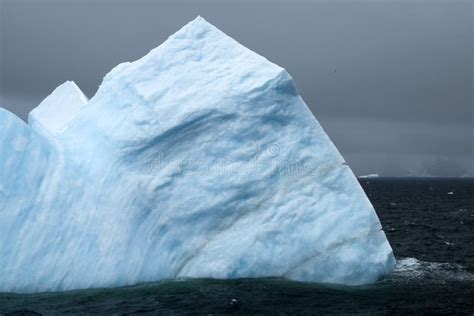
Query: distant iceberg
[(372, 175), (198, 160)]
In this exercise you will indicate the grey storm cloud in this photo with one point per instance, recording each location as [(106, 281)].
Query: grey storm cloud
[(390, 81)]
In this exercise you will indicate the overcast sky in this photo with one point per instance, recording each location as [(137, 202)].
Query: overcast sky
[(390, 81)]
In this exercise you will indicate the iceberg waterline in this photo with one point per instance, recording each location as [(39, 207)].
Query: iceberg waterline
[(198, 160)]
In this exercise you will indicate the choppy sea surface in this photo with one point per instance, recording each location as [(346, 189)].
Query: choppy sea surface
[(429, 223)]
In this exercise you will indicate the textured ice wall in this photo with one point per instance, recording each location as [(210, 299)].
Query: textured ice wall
[(198, 160)]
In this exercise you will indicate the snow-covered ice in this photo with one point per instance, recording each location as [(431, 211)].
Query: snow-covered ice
[(198, 160), (58, 109)]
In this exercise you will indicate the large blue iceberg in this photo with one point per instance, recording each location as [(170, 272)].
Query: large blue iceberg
[(198, 160)]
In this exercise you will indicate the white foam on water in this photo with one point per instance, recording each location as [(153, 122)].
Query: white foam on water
[(410, 269)]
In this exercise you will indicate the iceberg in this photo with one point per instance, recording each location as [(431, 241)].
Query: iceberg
[(369, 176), (198, 160)]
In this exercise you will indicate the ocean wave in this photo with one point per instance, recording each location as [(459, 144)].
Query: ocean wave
[(412, 269)]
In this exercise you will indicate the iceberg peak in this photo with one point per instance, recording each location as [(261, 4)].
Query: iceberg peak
[(54, 113), (196, 26)]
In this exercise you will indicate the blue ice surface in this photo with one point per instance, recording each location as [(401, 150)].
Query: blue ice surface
[(198, 160)]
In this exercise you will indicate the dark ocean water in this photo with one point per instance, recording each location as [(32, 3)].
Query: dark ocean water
[(429, 223)]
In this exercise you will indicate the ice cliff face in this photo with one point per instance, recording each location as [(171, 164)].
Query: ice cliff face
[(198, 160)]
